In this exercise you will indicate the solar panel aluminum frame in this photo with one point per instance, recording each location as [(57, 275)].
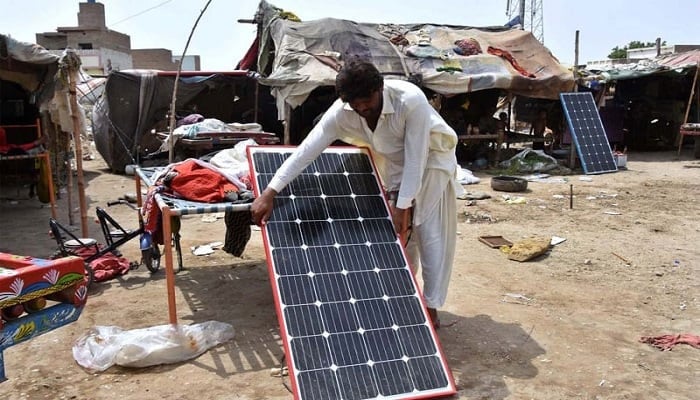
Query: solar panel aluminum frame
[(608, 163), (448, 389)]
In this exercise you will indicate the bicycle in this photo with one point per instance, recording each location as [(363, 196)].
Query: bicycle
[(115, 236)]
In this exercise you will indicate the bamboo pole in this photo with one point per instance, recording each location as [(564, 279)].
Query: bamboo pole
[(679, 137), (74, 109), (171, 123), (572, 152)]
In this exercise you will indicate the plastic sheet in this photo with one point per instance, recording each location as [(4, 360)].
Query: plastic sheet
[(104, 346)]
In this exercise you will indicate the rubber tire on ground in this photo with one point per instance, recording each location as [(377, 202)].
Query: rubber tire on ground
[(89, 273), (151, 258), (508, 184)]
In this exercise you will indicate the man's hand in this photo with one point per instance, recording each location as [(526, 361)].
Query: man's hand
[(261, 209), (400, 216)]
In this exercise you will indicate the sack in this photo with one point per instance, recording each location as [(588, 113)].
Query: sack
[(104, 346)]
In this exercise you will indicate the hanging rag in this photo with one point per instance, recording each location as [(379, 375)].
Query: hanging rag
[(668, 342), (509, 57), (237, 231)]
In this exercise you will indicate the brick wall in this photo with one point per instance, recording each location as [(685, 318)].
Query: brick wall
[(161, 59)]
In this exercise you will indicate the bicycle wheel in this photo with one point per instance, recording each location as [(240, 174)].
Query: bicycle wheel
[(151, 258)]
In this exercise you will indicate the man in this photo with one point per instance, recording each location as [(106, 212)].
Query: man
[(414, 151)]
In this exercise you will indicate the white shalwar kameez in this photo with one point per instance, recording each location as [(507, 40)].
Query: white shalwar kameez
[(414, 151)]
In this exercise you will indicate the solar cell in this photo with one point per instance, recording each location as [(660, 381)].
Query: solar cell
[(351, 316), (588, 133)]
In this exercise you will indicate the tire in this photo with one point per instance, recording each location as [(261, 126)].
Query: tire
[(151, 258), (89, 273), (508, 184)]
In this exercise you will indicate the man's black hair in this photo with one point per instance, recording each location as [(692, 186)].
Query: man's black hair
[(357, 80)]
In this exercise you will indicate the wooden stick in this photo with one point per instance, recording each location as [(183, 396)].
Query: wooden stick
[(171, 140), (679, 138), (621, 258), (74, 109)]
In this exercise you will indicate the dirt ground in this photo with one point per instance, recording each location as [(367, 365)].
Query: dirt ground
[(563, 326)]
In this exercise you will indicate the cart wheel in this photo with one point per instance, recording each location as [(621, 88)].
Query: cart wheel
[(151, 258), (89, 273)]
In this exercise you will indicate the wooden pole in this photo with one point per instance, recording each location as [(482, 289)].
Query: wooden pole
[(57, 131), (679, 137), (572, 152), (171, 140), (287, 123), (74, 109)]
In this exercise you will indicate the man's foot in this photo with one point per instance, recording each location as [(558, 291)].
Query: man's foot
[(432, 313)]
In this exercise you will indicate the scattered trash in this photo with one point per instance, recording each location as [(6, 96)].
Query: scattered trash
[(585, 179), (466, 177), (676, 263), (602, 383), (536, 177), (558, 196), (628, 262), (514, 199), (557, 240), (683, 306), (216, 245), (279, 372), (474, 196), (516, 296), (495, 241), (587, 261), (668, 342), (202, 250), (104, 346), (479, 217), (612, 213), (529, 248)]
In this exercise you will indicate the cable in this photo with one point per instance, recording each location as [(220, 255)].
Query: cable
[(142, 12)]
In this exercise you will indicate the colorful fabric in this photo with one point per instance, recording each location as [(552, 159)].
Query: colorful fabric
[(668, 342), (509, 57)]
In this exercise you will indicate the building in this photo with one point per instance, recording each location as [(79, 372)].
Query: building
[(643, 53), (650, 52), (103, 50)]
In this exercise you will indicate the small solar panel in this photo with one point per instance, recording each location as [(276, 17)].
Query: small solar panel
[(588, 133), (351, 315)]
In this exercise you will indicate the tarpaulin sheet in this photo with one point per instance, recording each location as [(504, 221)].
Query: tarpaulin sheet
[(308, 54)]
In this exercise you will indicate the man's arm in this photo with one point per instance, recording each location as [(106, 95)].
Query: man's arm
[(320, 137), (416, 148)]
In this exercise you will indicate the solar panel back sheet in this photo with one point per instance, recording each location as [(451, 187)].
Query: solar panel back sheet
[(588, 133), (351, 315)]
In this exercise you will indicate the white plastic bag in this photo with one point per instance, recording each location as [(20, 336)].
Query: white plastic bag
[(104, 346)]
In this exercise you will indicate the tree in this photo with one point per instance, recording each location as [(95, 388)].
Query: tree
[(617, 52)]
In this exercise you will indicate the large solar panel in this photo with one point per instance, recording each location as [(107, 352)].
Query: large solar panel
[(351, 315), (588, 133)]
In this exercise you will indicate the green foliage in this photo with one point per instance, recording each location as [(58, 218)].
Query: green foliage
[(618, 52)]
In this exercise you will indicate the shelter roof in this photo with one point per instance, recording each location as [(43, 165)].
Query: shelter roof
[(308, 55)]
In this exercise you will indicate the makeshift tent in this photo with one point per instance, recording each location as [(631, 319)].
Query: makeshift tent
[(136, 102), (648, 99), (45, 80), (445, 59)]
